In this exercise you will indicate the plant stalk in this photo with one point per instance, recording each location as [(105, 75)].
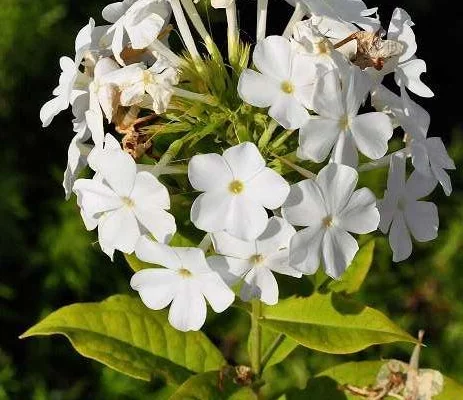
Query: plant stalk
[(256, 337), (267, 135), (261, 27), (232, 33), (269, 353)]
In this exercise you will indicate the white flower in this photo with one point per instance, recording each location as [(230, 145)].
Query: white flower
[(338, 125), (238, 188), (407, 67), (329, 208), (125, 204), (186, 283), (135, 80), (401, 212), (429, 155), (354, 11), (221, 3), (87, 43), (254, 261), (284, 83), (142, 20)]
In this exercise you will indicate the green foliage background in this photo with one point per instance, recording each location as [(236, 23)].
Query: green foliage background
[(48, 259)]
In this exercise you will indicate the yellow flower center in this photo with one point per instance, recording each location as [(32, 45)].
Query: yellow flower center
[(322, 47), (287, 87), (128, 202), (184, 273), (236, 187), (344, 123), (256, 259), (328, 221)]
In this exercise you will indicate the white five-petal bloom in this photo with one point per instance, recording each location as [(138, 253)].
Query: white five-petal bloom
[(142, 20), (402, 214), (329, 208), (238, 188), (185, 283), (135, 80), (123, 203), (284, 83), (338, 126), (255, 261)]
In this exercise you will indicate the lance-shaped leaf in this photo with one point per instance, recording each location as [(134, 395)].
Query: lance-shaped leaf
[(362, 375), (123, 334), (353, 278), (213, 385), (332, 323)]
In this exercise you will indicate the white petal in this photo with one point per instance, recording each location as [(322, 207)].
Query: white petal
[(117, 43), (339, 249), (305, 205), (208, 172), (51, 109), (275, 238), (157, 286), (228, 245), (149, 191), (258, 89), (399, 239), (247, 219), (360, 215), (216, 292), (120, 229), (423, 220), (345, 150), (157, 253), (371, 133), (438, 153), (188, 309), (193, 259), (288, 111), (261, 284), (244, 160), (94, 119), (230, 269), (268, 188), (211, 211), (443, 178), (96, 197), (400, 30), (132, 94), (142, 34), (414, 119), (358, 87), (317, 137), (337, 183), (272, 57), (158, 222), (419, 186), (305, 250), (420, 159), (327, 98), (279, 262), (114, 11), (408, 74)]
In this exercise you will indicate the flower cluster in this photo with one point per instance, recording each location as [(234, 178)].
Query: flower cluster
[(224, 173)]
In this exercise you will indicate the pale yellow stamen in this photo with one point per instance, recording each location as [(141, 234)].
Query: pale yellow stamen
[(344, 123), (287, 87), (184, 273), (128, 202), (322, 47), (256, 259), (236, 187), (328, 221)]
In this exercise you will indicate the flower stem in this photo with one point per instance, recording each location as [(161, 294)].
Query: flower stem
[(197, 22), (382, 162), (261, 19), (269, 353), (202, 98), (299, 12), (159, 47), (256, 337), (280, 139), (267, 135)]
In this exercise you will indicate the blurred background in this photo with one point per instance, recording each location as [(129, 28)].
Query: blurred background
[(48, 259)]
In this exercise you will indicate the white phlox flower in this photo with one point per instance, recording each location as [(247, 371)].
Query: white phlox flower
[(135, 80), (238, 188), (407, 68), (353, 11), (402, 214), (284, 83), (87, 44), (329, 208), (141, 20), (221, 3), (125, 204), (337, 126), (255, 261), (185, 283)]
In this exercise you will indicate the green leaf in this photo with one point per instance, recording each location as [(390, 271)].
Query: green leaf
[(135, 263), (123, 334), (284, 347), (361, 374), (352, 279), (212, 385), (332, 323)]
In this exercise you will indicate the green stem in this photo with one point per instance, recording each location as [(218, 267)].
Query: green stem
[(269, 353), (256, 336), (267, 135), (281, 138)]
